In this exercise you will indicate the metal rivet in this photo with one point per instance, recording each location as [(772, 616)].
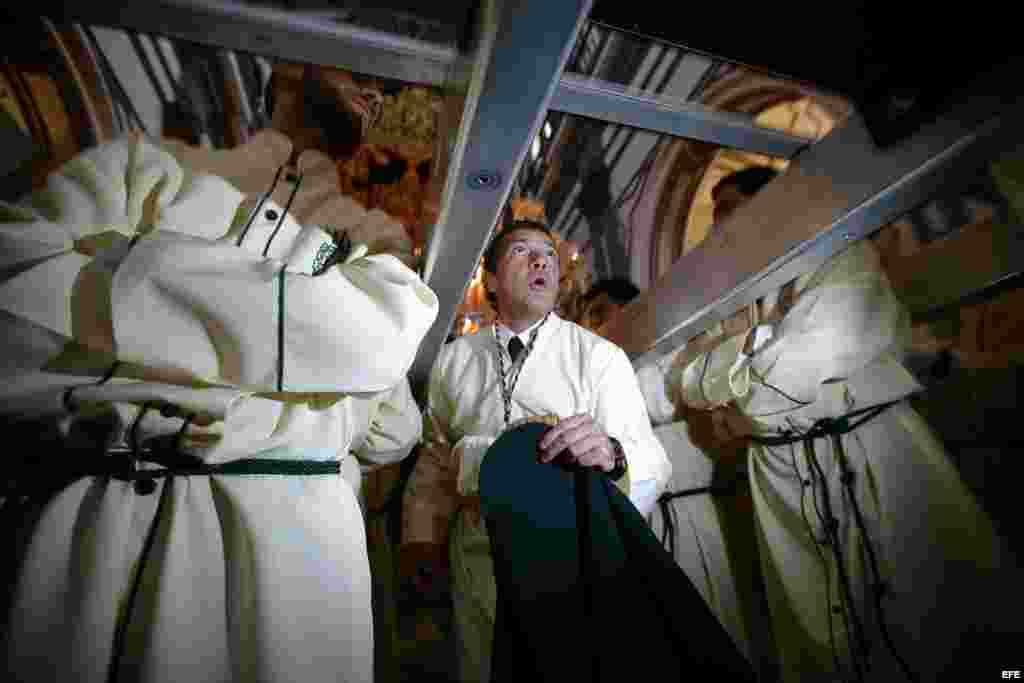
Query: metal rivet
[(271, 215), (144, 487), (484, 180)]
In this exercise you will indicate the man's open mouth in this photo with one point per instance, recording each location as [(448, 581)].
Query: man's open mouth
[(538, 282)]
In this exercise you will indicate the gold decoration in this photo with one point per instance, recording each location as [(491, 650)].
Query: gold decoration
[(408, 117)]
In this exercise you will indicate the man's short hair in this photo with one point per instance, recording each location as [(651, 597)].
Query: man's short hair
[(619, 290), (749, 180)]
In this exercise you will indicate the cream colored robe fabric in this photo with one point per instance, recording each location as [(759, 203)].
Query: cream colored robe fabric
[(945, 569), (700, 547), (570, 371), (251, 577), (222, 314)]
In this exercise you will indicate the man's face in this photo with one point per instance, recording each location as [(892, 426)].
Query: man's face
[(525, 281)]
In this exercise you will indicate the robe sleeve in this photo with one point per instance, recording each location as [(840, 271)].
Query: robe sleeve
[(98, 199), (430, 500), (395, 426), (231, 316), (620, 409), (655, 380), (846, 318), (115, 186)]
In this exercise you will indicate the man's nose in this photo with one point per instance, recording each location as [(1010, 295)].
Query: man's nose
[(538, 261)]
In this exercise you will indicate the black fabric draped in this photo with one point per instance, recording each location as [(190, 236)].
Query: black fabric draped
[(584, 589)]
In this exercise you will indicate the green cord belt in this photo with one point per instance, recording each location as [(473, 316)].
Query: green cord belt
[(235, 467), (826, 426)]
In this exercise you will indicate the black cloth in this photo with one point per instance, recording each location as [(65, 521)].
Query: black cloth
[(584, 589), (515, 347)]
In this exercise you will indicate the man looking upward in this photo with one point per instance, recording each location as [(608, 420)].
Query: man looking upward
[(531, 363)]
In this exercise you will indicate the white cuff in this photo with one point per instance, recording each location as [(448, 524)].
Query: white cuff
[(643, 495)]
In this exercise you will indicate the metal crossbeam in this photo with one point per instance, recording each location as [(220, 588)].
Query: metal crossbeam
[(522, 51), (615, 103), (275, 33), (835, 192)]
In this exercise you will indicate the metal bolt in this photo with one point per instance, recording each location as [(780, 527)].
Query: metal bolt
[(484, 180)]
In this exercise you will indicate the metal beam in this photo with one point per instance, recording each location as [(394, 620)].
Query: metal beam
[(619, 104), (835, 192), (271, 32), (522, 51)]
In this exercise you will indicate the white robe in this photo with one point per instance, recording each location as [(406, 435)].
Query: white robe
[(945, 569), (700, 547), (250, 577), (570, 371), (186, 298)]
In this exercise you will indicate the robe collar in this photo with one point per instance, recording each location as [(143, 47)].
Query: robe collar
[(505, 334)]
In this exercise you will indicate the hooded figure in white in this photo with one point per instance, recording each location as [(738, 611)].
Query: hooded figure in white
[(167, 303), (906, 528)]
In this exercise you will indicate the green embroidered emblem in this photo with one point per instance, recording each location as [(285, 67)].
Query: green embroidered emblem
[(332, 253), (323, 257)]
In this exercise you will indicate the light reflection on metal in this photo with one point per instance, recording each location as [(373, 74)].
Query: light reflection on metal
[(614, 103), (506, 103)]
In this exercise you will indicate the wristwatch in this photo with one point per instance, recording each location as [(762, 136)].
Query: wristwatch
[(619, 470)]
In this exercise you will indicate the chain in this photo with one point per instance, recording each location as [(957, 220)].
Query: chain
[(508, 383)]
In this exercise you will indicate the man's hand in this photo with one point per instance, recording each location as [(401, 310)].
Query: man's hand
[(580, 440)]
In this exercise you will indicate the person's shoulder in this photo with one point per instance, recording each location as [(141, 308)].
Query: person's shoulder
[(585, 335), (467, 345), (589, 341)]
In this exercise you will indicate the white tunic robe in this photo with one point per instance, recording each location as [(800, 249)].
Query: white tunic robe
[(185, 298), (254, 577), (945, 570)]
